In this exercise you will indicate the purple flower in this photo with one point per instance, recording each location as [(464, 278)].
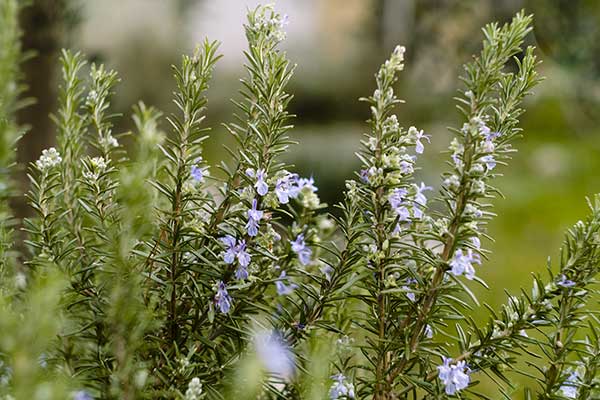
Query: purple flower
[(236, 250), (275, 354), (488, 134), (299, 247), (261, 186), (230, 253), (420, 199), (411, 296), (222, 298), (341, 388), (462, 263), (564, 282), (282, 288), (456, 158), (286, 188), (197, 172), (418, 145), (454, 376), (254, 216), (307, 183), (241, 273), (364, 175), (243, 256), (428, 331), (489, 161), (396, 200)]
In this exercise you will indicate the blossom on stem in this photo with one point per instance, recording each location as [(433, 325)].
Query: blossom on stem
[(286, 187), (282, 288), (254, 216), (197, 172), (411, 295), (222, 298), (564, 282), (417, 135), (194, 390), (236, 250), (341, 388), (398, 204), (49, 158), (462, 263), (455, 376), (570, 387), (301, 249), (420, 199)]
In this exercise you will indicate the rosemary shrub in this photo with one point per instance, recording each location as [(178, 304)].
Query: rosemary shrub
[(146, 275)]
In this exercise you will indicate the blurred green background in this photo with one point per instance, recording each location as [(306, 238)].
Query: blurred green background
[(338, 45)]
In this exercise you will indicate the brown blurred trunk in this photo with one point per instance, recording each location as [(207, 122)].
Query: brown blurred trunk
[(43, 26)]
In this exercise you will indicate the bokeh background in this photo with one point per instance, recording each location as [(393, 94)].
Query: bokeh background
[(338, 45)]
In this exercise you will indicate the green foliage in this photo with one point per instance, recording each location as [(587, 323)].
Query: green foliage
[(147, 277)]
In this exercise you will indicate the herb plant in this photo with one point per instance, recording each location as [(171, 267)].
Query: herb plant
[(147, 273)]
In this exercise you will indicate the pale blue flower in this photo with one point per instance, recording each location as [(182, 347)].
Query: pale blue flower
[(570, 386), (230, 252), (455, 376), (301, 249), (462, 263), (407, 165), (364, 175), (197, 173), (236, 250), (411, 295), (82, 395), (307, 183), (222, 298), (428, 331), (282, 288), (261, 185), (275, 354), (489, 161), (398, 204), (286, 187), (564, 282), (254, 216), (418, 145), (420, 199), (341, 388)]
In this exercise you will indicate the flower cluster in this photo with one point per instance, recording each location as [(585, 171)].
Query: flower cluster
[(96, 167), (271, 24), (194, 390), (49, 159), (454, 376), (236, 249)]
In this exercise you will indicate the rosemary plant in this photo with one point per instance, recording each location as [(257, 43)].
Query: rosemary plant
[(148, 275)]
